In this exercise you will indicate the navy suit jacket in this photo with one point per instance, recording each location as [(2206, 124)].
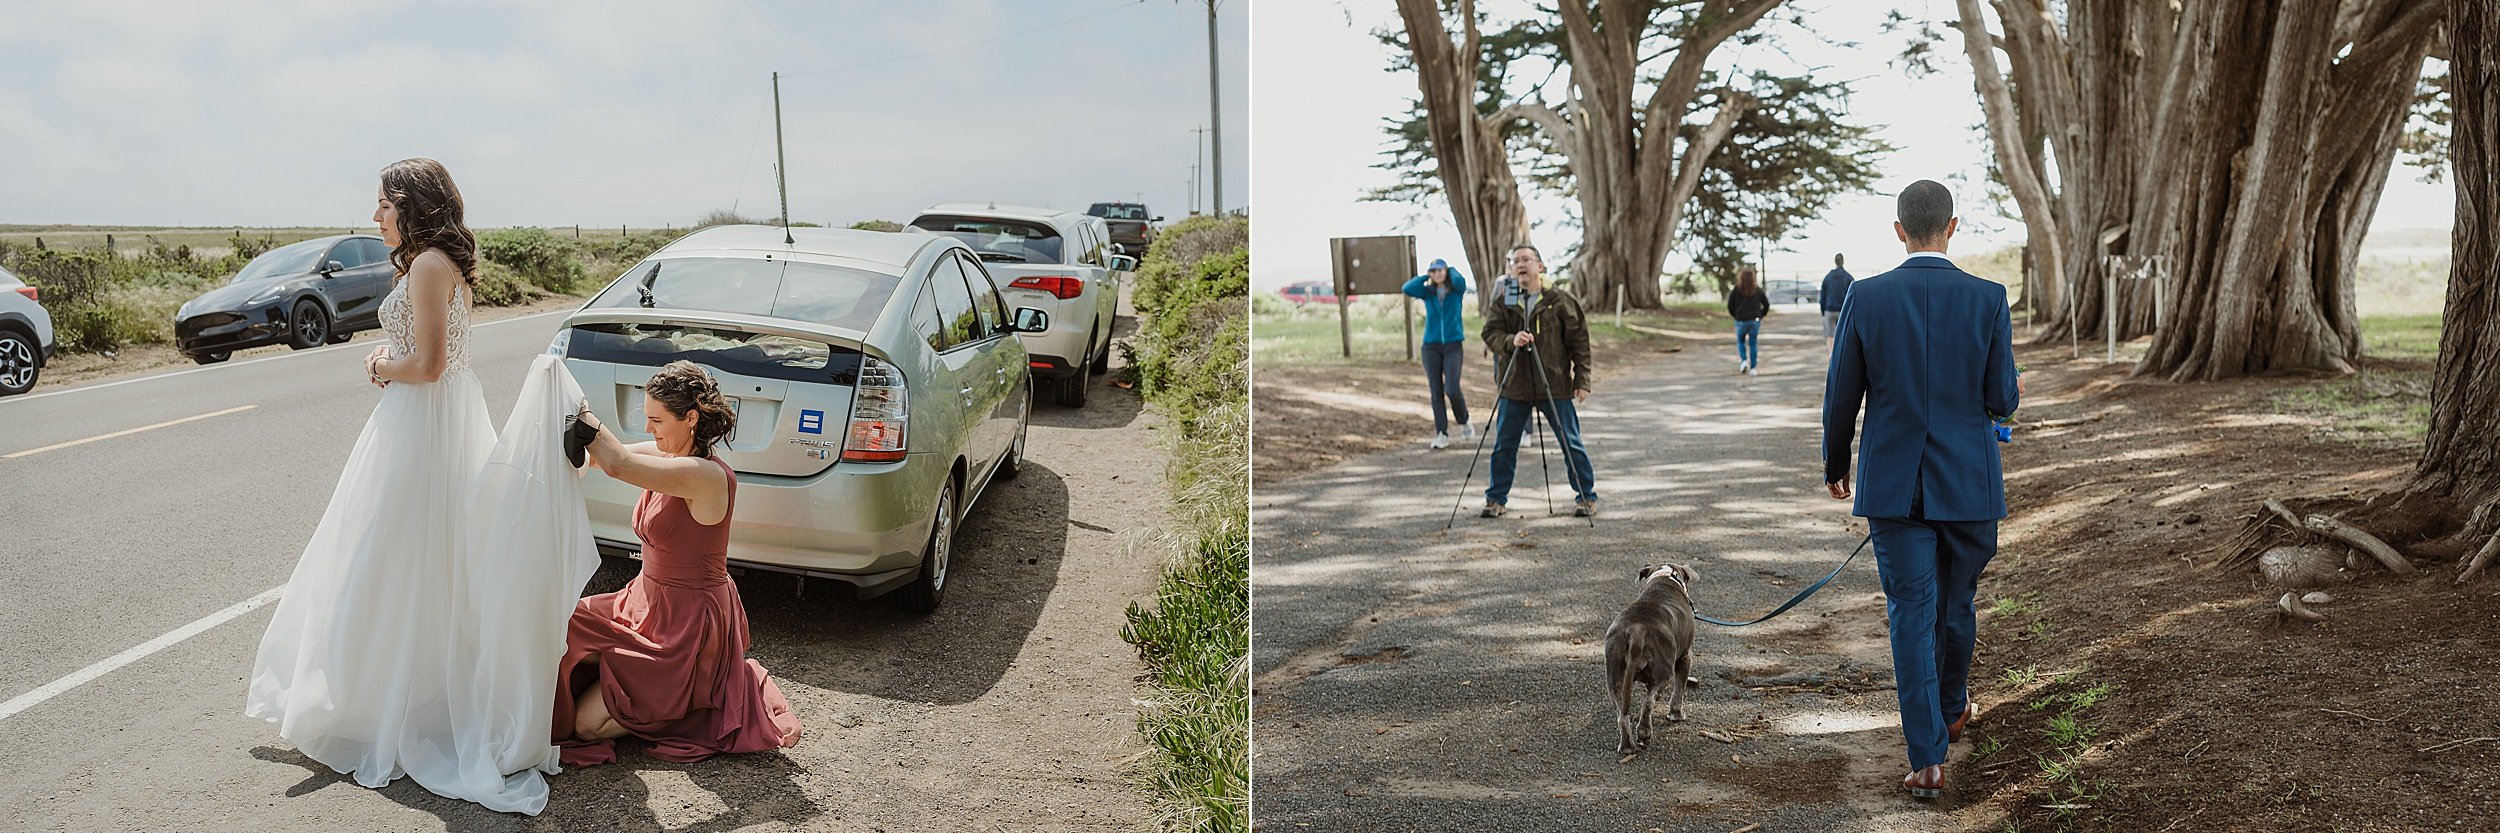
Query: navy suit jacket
[(1928, 349)]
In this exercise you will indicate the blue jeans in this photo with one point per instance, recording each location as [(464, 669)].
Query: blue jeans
[(1749, 342), (1441, 364), (1930, 572), (1510, 419)]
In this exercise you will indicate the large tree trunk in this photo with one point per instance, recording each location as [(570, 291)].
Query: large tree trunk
[(1467, 146), (2282, 171), (1631, 177), (2225, 141), (2461, 459)]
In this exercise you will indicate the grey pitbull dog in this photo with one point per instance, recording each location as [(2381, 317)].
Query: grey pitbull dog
[(1651, 643)]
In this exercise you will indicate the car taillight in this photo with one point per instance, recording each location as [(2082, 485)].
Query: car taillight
[(880, 415), (1062, 287), (30, 293)]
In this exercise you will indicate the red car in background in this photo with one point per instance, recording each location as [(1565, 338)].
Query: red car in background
[(1310, 292)]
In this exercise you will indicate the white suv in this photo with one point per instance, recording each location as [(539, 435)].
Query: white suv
[(25, 335), (1059, 262)]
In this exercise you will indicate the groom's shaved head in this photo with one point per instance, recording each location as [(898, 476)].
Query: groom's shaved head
[(1923, 209)]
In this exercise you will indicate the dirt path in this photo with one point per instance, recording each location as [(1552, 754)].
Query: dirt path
[(1414, 679)]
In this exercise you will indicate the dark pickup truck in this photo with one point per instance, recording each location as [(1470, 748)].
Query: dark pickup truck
[(1132, 226)]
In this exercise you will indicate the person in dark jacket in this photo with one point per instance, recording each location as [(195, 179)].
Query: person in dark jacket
[(1540, 342), (1444, 293), (1928, 350), (1834, 296), (1748, 304)]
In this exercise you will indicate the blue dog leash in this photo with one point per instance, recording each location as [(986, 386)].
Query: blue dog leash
[(1801, 595)]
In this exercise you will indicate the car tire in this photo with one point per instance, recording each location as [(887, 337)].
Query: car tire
[(1102, 360), (1013, 466), (1074, 389), (929, 587), (308, 327), (19, 362), (210, 358)]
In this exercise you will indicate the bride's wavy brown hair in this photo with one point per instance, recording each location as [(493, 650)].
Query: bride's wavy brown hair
[(430, 216)]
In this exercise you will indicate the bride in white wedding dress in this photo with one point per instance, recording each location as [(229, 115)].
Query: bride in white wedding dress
[(421, 628)]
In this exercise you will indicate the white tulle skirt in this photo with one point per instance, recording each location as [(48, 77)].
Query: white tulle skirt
[(420, 631)]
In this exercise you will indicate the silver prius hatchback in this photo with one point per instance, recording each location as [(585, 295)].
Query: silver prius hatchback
[(878, 379)]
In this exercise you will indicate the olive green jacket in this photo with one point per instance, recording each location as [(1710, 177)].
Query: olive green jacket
[(1562, 346)]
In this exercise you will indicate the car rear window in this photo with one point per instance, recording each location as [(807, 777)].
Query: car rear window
[(808, 292), (1116, 211), (999, 241), (756, 355)]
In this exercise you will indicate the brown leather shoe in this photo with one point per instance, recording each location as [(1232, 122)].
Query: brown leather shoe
[(1925, 783), (1953, 731)]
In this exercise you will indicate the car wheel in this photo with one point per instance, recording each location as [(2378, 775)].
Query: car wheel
[(1102, 361), (1073, 390), (18, 367), (929, 588), (309, 327), (1014, 464), (209, 358), (341, 336)]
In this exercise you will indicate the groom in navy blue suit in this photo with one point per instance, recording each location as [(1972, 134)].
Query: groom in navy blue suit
[(1928, 349)]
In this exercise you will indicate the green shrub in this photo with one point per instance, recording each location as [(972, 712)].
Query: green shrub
[(877, 225), (498, 286), (1192, 362), (537, 256)]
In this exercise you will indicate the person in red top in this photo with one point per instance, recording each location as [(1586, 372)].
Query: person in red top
[(664, 659)]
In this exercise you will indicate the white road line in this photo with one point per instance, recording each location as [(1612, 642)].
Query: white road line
[(286, 355), (53, 689), (126, 432)]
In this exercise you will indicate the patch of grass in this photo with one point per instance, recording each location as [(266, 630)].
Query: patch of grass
[(2065, 730), (1288, 336), (2039, 629), (2019, 677), (2411, 337), (2011, 607), (1986, 748), (2380, 408)]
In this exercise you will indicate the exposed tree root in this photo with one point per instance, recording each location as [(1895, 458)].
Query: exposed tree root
[(2486, 526)]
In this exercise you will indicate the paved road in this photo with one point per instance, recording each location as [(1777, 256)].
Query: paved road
[(1410, 679), (1010, 707)]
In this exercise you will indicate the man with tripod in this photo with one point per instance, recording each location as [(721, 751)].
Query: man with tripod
[(1540, 344)]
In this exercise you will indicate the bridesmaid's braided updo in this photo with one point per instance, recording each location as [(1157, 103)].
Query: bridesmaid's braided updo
[(683, 388)]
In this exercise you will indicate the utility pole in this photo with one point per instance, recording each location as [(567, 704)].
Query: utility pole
[(1215, 113), (781, 163), (1196, 168)]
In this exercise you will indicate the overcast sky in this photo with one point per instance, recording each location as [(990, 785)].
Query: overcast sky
[(273, 113), (1316, 151)]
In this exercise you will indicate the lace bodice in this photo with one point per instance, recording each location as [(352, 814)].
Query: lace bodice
[(399, 321)]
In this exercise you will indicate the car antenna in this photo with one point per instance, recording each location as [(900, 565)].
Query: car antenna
[(781, 164)]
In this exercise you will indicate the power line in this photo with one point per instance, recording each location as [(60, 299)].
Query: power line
[(966, 46)]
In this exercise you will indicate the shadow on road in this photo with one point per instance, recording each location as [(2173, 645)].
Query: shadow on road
[(1006, 563)]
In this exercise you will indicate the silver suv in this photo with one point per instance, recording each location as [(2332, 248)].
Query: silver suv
[(878, 378), (25, 335)]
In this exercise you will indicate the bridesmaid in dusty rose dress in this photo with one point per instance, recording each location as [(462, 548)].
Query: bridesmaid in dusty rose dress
[(665, 658)]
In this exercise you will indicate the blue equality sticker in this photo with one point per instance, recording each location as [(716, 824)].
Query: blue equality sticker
[(811, 422)]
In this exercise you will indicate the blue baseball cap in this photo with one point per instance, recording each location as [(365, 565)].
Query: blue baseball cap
[(1438, 263)]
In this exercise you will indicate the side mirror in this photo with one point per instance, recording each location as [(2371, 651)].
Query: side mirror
[(1158, 219), (1030, 320), (1123, 263), (332, 266)]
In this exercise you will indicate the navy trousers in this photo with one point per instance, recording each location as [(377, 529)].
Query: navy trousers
[(1930, 571)]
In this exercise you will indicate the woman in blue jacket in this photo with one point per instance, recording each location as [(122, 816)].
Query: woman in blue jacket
[(1444, 293)]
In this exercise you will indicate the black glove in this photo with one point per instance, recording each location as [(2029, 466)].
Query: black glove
[(578, 433)]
